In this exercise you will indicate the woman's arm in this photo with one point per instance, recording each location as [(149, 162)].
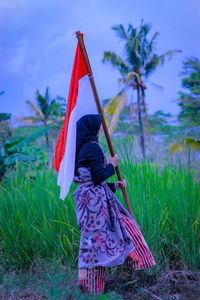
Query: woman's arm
[(117, 185), (111, 186), (99, 173)]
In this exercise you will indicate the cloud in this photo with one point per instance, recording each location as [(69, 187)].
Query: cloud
[(60, 40), (38, 48), (17, 63), (12, 3)]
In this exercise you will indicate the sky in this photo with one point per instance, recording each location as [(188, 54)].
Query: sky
[(37, 46)]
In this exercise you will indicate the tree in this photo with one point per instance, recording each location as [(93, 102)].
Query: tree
[(21, 149), (139, 63), (189, 101), (5, 130), (48, 112)]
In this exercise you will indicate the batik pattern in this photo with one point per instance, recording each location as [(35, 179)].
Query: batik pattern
[(105, 240)]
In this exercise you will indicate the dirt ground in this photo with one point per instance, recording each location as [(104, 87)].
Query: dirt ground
[(58, 282), (184, 285)]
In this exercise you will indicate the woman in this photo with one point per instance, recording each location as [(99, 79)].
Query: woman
[(109, 234)]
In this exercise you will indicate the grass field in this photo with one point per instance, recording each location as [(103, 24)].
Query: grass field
[(35, 223)]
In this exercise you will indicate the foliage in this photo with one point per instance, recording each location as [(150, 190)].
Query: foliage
[(185, 144), (34, 222), (39, 224), (5, 130), (19, 149), (140, 55), (139, 63), (159, 118), (189, 101), (4, 116), (113, 110), (48, 112), (158, 123), (47, 280)]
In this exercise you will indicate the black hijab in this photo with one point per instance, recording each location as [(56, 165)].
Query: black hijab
[(86, 130)]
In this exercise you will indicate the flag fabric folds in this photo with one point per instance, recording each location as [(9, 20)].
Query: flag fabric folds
[(81, 101)]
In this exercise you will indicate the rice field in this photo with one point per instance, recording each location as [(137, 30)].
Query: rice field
[(35, 223)]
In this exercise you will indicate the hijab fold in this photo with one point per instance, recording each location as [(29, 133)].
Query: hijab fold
[(87, 129)]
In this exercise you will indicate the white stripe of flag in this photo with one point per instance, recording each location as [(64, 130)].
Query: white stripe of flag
[(81, 102)]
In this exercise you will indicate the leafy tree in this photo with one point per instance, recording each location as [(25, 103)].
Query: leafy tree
[(47, 112), (21, 149), (159, 123), (189, 101), (159, 118), (5, 130), (139, 63), (4, 116)]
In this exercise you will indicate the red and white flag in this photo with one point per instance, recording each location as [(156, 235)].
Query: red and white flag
[(81, 102)]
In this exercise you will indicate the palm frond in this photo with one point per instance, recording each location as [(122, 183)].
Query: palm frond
[(34, 108), (121, 80), (155, 60), (132, 48), (144, 30), (116, 61), (47, 93), (53, 107), (120, 31), (43, 102), (162, 58), (113, 110), (132, 32), (131, 75), (111, 105), (151, 45), (156, 85)]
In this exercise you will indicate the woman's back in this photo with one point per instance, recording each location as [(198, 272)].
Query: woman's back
[(91, 155)]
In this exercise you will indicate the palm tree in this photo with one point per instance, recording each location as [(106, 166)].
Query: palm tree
[(48, 112), (140, 62)]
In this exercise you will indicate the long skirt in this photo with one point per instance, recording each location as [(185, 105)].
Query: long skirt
[(92, 280), (109, 234)]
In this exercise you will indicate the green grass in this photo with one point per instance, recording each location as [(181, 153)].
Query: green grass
[(166, 204), (46, 280), (35, 223)]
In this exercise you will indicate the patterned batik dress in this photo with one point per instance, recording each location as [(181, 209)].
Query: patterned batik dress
[(109, 234)]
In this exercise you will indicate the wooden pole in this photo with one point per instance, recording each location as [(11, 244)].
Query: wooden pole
[(81, 43)]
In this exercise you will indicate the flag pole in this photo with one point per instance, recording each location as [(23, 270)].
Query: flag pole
[(82, 46)]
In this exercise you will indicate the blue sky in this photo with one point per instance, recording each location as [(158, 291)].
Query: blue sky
[(37, 46)]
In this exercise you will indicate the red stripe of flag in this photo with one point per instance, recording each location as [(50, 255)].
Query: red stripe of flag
[(78, 72)]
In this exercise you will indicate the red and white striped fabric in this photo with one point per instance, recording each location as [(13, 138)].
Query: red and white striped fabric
[(92, 280), (81, 102), (140, 257)]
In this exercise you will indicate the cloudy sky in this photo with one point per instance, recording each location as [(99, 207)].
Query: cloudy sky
[(37, 46)]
